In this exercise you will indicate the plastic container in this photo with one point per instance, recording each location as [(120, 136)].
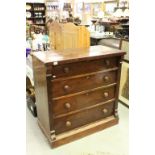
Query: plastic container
[(28, 51)]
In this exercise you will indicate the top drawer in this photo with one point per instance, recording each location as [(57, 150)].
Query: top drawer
[(82, 67)]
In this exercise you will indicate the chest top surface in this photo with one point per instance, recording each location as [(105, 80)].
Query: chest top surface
[(74, 55)]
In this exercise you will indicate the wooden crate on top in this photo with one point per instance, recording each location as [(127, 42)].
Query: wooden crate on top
[(68, 36)]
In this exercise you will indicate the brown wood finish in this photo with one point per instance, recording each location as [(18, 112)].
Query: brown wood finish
[(68, 35), (83, 67), (76, 91), (85, 117), (64, 87), (75, 55), (84, 131), (77, 102), (83, 92), (41, 94), (80, 132), (118, 85)]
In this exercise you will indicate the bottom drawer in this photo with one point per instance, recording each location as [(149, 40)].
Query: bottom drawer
[(87, 116)]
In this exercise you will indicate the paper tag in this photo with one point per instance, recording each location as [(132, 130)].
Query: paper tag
[(55, 63)]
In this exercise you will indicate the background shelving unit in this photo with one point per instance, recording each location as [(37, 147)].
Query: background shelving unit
[(52, 9), (35, 13)]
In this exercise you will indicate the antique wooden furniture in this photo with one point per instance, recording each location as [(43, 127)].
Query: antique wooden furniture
[(76, 91), (110, 42), (66, 36)]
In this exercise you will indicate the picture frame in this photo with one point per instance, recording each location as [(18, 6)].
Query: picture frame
[(124, 84), (124, 80), (124, 45)]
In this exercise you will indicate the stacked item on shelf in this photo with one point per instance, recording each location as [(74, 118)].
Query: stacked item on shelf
[(52, 9), (40, 41), (35, 13)]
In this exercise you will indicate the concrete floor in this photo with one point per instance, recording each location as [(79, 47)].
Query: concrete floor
[(111, 141)]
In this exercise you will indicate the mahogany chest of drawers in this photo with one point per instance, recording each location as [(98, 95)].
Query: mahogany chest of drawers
[(76, 91)]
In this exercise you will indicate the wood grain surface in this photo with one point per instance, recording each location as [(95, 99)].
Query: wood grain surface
[(76, 91)]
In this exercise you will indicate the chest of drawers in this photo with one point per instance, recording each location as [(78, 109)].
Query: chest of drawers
[(76, 91)]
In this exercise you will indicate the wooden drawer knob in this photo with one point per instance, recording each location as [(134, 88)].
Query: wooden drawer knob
[(105, 111), (106, 94), (106, 78), (66, 70), (67, 105), (66, 87), (107, 62), (68, 123)]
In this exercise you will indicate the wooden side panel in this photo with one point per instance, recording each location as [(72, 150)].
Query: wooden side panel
[(84, 38), (118, 85), (87, 38), (54, 36), (69, 36), (40, 85)]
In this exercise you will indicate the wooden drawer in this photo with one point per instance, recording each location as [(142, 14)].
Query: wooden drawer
[(74, 85), (85, 117), (81, 101), (83, 67)]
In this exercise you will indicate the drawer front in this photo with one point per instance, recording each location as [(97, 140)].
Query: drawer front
[(77, 120), (83, 67), (70, 86), (78, 102)]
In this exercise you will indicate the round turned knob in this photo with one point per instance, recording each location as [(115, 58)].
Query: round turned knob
[(107, 62), (66, 70), (67, 105), (105, 111), (106, 78), (66, 87), (68, 123), (106, 94)]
